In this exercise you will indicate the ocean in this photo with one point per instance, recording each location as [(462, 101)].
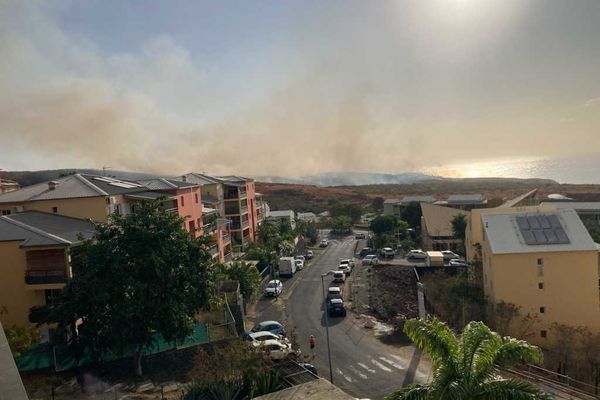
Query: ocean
[(566, 170)]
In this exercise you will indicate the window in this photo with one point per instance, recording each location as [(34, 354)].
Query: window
[(542, 310), (182, 202), (196, 197), (108, 201), (5, 212), (543, 334), (55, 210), (540, 261), (540, 268), (541, 285)]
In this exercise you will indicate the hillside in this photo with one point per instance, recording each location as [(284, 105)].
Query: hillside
[(316, 198)]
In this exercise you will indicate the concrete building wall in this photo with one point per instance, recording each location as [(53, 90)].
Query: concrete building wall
[(565, 284), (16, 297), (189, 207), (89, 207)]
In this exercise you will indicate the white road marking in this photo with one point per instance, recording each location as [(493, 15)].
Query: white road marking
[(393, 364), (380, 365), (367, 368), (402, 360), (357, 372), (339, 371)]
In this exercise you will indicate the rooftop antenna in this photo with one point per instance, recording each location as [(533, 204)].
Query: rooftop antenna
[(104, 168)]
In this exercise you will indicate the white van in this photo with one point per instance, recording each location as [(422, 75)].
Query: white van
[(287, 266)]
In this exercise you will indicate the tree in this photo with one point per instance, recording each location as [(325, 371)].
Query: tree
[(459, 227), (20, 339), (142, 275), (377, 204), (411, 213), (246, 274), (384, 224), (352, 211), (341, 224), (469, 366)]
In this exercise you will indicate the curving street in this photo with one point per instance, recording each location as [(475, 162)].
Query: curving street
[(362, 365)]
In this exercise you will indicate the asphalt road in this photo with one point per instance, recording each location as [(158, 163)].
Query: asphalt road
[(362, 365)]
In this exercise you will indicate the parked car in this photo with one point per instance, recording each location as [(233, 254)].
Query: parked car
[(360, 235), (456, 262), (370, 259), (274, 288), (324, 243), (264, 335), (417, 254), (345, 268), (299, 257), (387, 252), (336, 308), (266, 326), (339, 276), (309, 254), (309, 367), (276, 349), (334, 292), (366, 251), (299, 265), (349, 261), (449, 255)]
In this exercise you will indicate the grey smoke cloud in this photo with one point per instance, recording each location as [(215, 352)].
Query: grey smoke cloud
[(348, 101)]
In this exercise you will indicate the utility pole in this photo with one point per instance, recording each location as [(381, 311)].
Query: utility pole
[(104, 169)]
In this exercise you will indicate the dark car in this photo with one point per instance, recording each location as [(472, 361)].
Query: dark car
[(366, 251), (335, 308), (268, 326), (310, 368)]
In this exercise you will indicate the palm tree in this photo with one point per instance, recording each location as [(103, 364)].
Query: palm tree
[(469, 366)]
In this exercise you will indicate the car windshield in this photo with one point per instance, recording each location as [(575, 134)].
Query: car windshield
[(272, 285)]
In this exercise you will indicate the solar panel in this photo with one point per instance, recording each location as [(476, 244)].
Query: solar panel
[(542, 229)]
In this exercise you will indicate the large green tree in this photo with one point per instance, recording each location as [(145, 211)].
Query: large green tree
[(245, 273), (141, 275), (468, 367), (459, 227), (352, 211), (411, 213)]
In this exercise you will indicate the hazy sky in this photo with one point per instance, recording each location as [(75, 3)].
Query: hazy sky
[(296, 87)]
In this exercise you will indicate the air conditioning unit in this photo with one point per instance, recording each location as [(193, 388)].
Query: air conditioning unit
[(17, 209)]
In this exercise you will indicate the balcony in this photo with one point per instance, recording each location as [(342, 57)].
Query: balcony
[(228, 257), (209, 228), (46, 277), (214, 249), (234, 193), (226, 238)]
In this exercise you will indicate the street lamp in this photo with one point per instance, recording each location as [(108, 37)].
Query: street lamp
[(327, 325)]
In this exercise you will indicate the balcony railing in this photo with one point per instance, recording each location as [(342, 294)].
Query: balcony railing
[(45, 277), (214, 249), (226, 238), (209, 228), (245, 224), (228, 257)]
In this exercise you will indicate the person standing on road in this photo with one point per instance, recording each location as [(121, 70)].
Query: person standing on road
[(311, 343)]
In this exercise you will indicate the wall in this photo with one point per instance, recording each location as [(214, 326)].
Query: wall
[(89, 207), (15, 295), (251, 201), (570, 293), (215, 190), (189, 209)]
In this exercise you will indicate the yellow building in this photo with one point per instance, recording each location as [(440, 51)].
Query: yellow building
[(35, 262), (543, 261)]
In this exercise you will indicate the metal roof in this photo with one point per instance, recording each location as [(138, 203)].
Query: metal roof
[(417, 199), (147, 195), (467, 199), (165, 184), (438, 219), (505, 232), (35, 228), (391, 201), (591, 206)]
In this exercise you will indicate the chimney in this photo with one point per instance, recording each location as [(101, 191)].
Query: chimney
[(52, 185), (184, 178)]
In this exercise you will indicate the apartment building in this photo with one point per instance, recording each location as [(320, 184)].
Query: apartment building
[(282, 215), (436, 227), (545, 262), (235, 199), (35, 262)]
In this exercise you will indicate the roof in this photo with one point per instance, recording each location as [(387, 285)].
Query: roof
[(165, 184), (235, 178), (35, 228), (318, 389), (515, 202), (72, 186), (467, 199), (147, 195), (505, 236), (417, 199), (208, 210), (197, 178), (438, 219), (574, 205), (281, 213)]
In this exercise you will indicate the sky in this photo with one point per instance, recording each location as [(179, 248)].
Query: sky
[(293, 88)]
